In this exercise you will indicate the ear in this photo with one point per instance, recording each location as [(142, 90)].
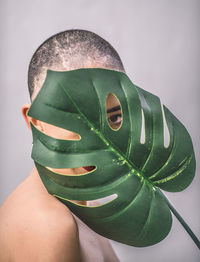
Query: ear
[(29, 119)]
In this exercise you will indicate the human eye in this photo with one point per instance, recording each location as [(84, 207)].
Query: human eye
[(114, 112), (115, 120)]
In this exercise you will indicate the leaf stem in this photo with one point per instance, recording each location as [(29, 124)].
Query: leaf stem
[(181, 220)]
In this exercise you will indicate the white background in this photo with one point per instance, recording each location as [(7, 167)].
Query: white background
[(158, 41)]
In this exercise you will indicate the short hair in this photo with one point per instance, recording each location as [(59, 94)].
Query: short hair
[(69, 50)]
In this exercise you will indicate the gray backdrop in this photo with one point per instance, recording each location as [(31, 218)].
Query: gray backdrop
[(158, 41)]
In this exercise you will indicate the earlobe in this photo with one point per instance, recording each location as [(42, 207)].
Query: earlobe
[(25, 109), (29, 119)]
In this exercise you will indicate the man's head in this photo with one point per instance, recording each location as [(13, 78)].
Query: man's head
[(70, 50)]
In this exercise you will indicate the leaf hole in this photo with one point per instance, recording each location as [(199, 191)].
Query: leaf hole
[(101, 201), (96, 202), (165, 130), (143, 136), (55, 131), (114, 112), (77, 171)]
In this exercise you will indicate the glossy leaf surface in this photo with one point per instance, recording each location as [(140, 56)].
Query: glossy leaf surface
[(76, 101)]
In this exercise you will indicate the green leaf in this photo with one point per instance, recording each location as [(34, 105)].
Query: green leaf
[(76, 101)]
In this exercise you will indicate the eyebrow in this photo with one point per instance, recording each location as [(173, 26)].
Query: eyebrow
[(113, 109)]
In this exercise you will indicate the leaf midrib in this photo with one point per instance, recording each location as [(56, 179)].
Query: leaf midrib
[(108, 143)]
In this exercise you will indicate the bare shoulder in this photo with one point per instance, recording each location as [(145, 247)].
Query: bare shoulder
[(37, 228)]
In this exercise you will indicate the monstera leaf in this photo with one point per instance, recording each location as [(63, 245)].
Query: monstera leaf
[(76, 100)]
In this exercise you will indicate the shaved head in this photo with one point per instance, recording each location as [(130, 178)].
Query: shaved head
[(70, 50)]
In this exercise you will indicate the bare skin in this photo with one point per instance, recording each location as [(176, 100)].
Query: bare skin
[(36, 227)]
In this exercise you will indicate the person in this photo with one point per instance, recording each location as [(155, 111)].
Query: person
[(36, 226)]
